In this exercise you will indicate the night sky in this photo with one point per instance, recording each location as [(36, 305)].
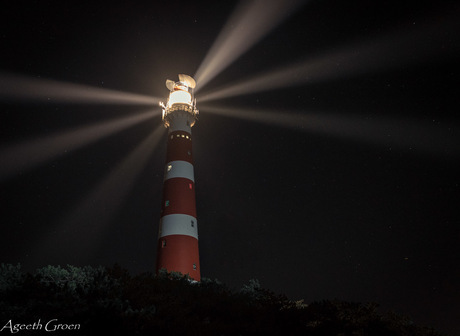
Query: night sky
[(340, 183)]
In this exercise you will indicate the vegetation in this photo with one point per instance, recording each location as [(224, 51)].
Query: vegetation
[(113, 302)]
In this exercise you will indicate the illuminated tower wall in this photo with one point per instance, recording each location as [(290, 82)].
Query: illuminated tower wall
[(178, 229)]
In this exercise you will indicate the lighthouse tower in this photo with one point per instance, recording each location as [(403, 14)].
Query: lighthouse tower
[(178, 231)]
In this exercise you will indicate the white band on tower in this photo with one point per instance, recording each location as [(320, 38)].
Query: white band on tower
[(179, 169), (178, 224)]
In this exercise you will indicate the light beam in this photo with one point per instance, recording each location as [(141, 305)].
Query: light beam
[(394, 50), (250, 22), (95, 210), (23, 89), (29, 154), (436, 139)]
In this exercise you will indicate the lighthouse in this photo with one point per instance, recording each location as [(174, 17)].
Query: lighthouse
[(178, 229)]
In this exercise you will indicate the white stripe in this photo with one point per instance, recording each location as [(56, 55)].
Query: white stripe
[(178, 224), (179, 169)]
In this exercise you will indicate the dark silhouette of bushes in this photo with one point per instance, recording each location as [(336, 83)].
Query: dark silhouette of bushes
[(111, 301)]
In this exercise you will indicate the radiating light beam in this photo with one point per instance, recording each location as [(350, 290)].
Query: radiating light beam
[(394, 50), (250, 22), (24, 89), (93, 213), (29, 154), (436, 139)]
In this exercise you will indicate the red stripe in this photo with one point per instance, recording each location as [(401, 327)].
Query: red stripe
[(179, 147), (178, 197), (179, 253)]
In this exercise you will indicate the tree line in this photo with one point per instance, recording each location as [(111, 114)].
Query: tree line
[(109, 300)]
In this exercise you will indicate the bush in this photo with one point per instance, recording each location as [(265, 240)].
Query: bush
[(111, 301)]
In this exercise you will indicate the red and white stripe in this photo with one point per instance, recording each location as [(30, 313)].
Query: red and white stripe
[(178, 231)]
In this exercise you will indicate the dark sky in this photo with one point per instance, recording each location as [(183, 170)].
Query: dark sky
[(357, 200)]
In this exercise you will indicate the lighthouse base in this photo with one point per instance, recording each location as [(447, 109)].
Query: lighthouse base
[(179, 253)]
